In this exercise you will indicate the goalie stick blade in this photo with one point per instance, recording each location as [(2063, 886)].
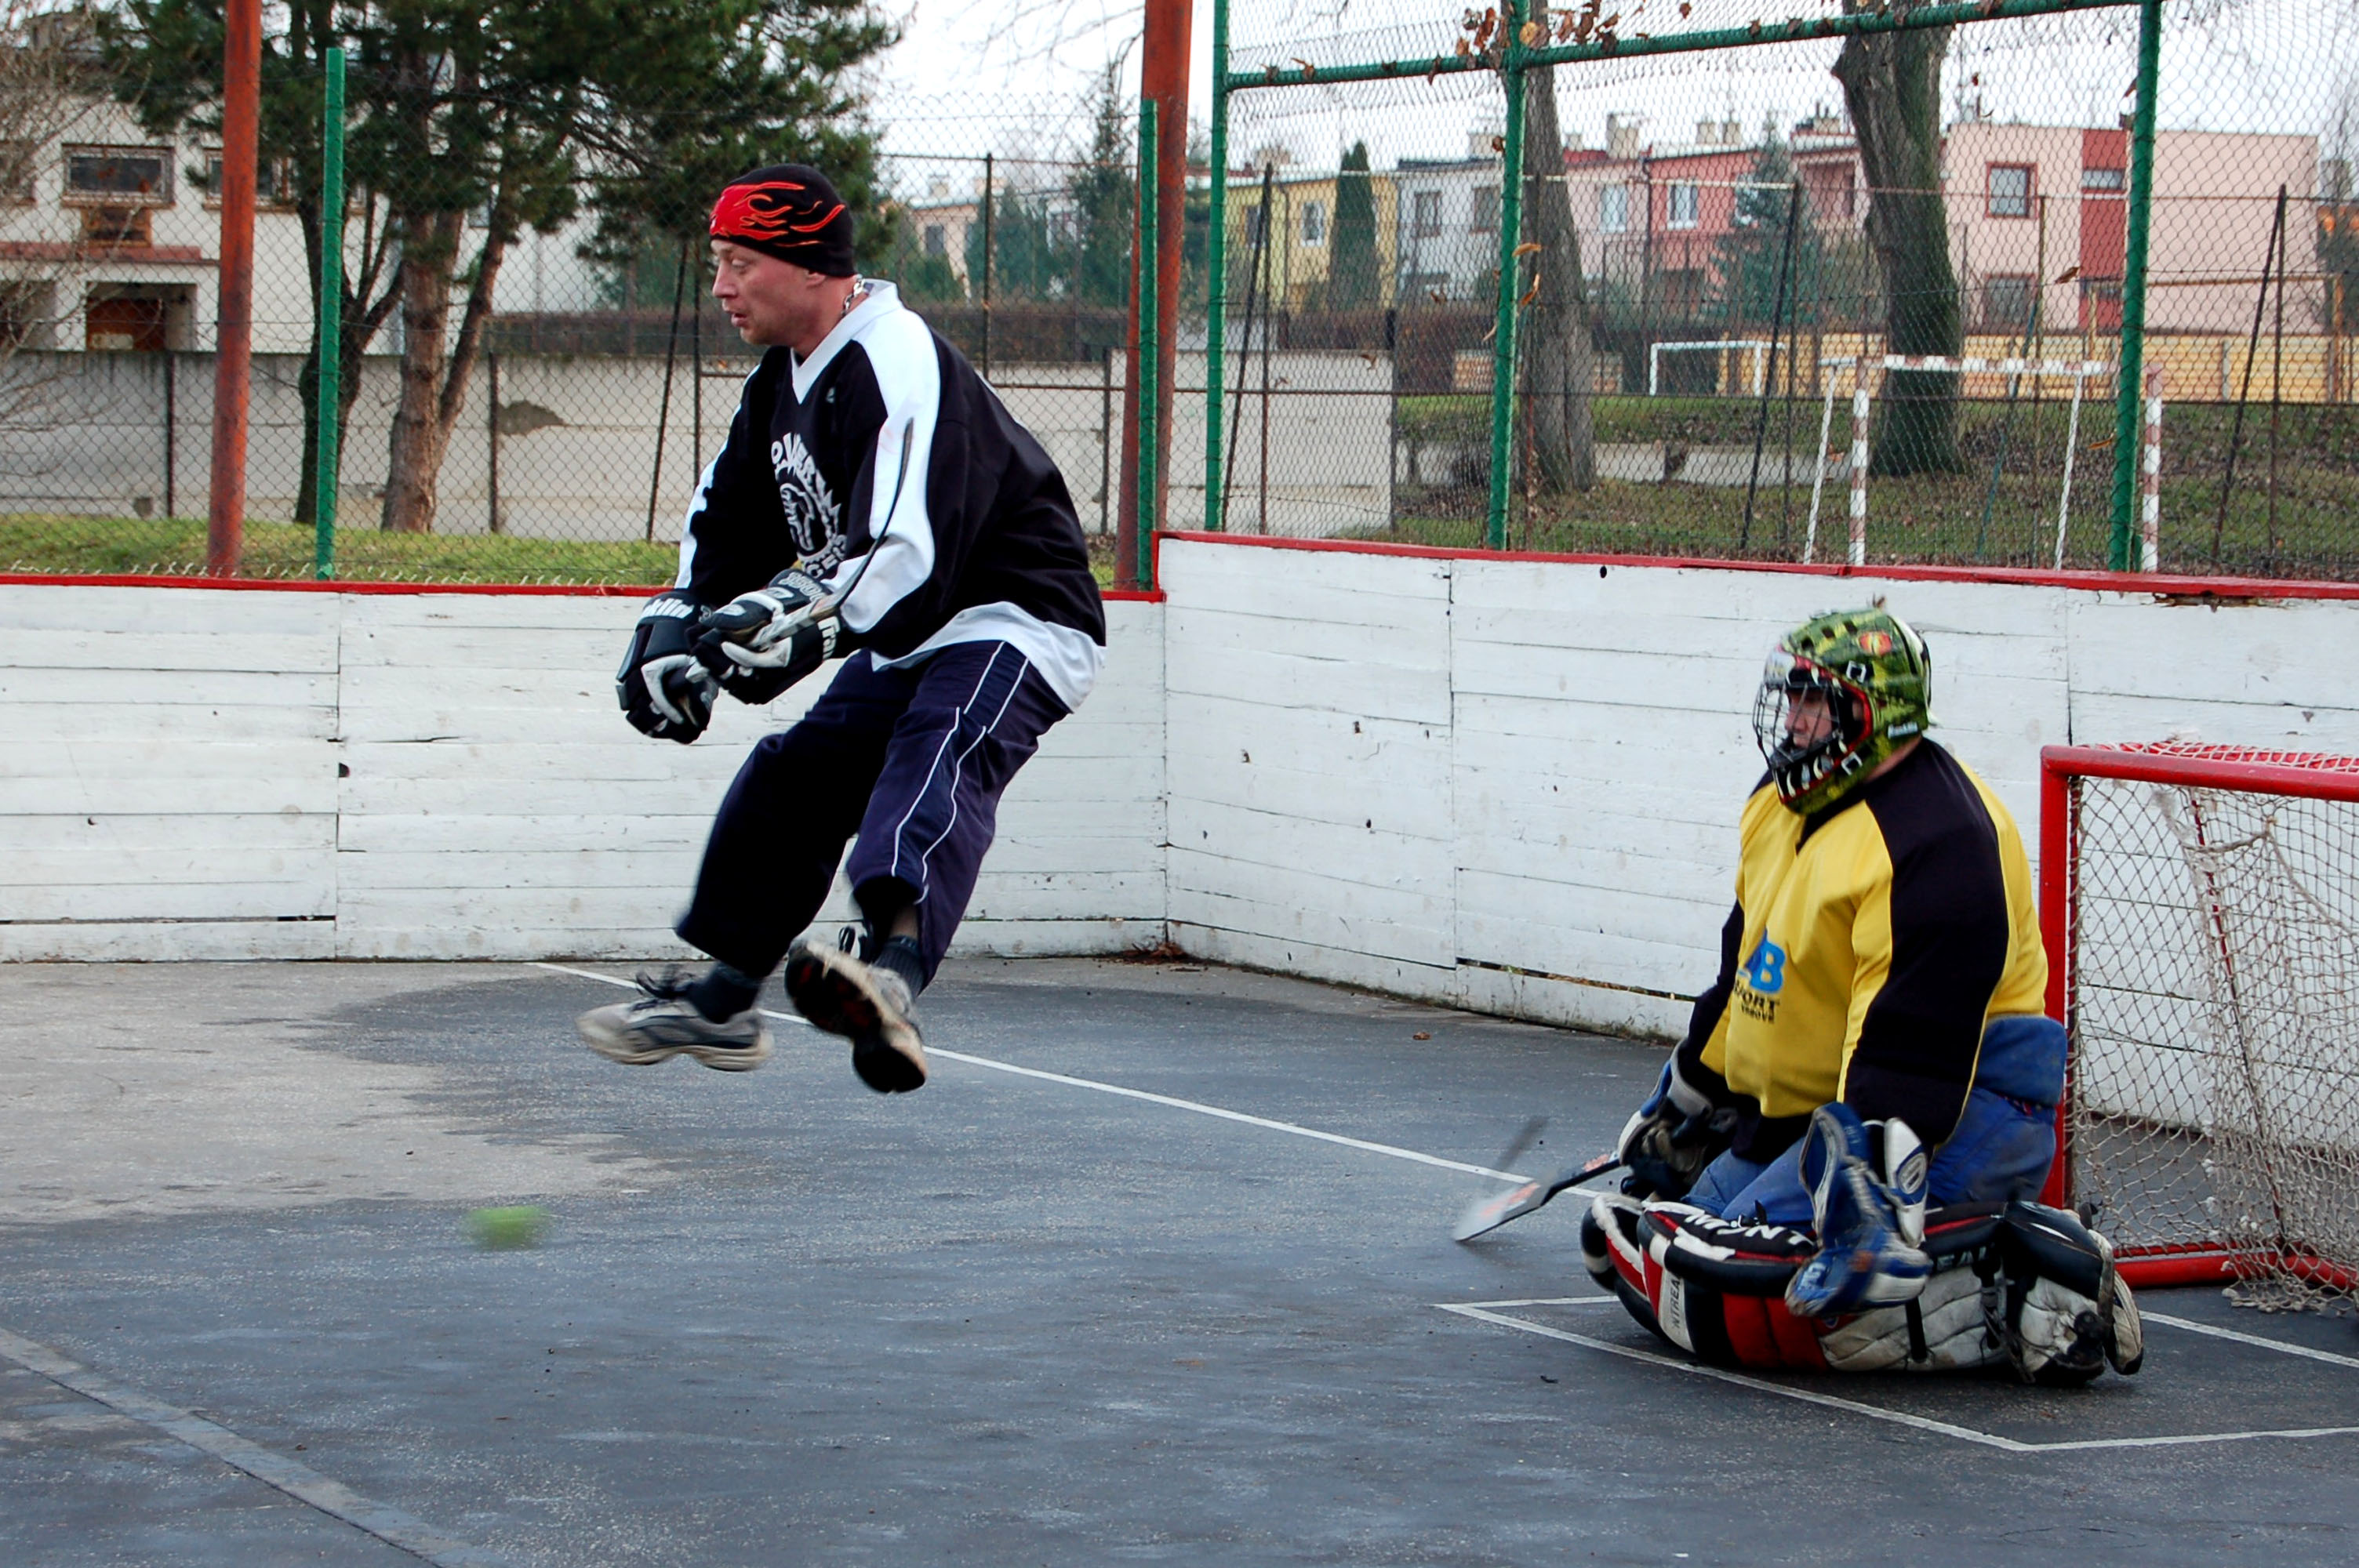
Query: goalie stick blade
[(1489, 1214)]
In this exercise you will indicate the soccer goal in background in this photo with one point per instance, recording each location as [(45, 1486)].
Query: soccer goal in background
[(2022, 381), (2201, 908)]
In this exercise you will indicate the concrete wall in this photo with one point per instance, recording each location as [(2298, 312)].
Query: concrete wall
[(1508, 784), (577, 443)]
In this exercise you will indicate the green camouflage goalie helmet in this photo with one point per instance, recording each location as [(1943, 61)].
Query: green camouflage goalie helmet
[(1842, 692)]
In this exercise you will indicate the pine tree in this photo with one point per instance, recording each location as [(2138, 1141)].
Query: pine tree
[(1746, 260), (1353, 268), (1105, 194)]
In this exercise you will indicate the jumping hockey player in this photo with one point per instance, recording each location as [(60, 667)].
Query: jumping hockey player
[(1873, 1047), (874, 499)]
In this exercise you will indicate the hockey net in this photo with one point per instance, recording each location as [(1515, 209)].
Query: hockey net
[(2202, 911)]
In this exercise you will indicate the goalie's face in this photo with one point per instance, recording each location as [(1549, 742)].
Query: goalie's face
[(1810, 723), (1809, 719)]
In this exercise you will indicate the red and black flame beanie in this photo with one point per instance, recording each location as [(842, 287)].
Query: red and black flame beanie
[(788, 210)]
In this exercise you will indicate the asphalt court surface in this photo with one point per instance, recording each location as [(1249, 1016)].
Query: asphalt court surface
[(1016, 1317)]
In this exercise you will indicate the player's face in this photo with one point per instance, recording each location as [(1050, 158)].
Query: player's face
[(769, 301), (1809, 719)]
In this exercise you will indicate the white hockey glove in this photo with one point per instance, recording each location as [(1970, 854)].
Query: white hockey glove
[(662, 690), (761, 642)]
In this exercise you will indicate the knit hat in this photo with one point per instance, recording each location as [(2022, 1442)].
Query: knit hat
[(788, 210)]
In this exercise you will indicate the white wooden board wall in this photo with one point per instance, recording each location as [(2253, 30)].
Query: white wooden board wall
[(1505, 785), (196, 773), (1513, 785)]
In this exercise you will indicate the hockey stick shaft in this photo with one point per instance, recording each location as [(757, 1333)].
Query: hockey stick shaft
[(1489, 1214)]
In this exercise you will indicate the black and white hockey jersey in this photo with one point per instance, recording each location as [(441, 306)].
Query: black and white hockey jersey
[(885, 466)]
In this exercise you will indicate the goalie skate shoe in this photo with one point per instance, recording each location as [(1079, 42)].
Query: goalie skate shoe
[(1866, 1258), (868, 1003), (663, 1024)]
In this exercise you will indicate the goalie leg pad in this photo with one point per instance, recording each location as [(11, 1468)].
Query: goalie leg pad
[(2024, 1285), (2067, 1314)]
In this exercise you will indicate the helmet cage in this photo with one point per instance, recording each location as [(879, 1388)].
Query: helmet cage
[(1804, 769)]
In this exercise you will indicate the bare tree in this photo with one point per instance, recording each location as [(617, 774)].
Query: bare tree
[(48, 85), (1559, 354), (1892, 87)]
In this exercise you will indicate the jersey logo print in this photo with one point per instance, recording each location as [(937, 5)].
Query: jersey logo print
[(810, 505), (1765, 976)]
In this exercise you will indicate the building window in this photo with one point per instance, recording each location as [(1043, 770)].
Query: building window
[(1425, 215), (1613, 208), (2100, 180), (1487, 211), (2009, 192), (1253, 218), (1315, 223), (2007, 300), (1686, 202), (938, 243), (118, 177), (274, 185)]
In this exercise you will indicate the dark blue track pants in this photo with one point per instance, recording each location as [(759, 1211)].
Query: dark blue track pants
[(912, 761)]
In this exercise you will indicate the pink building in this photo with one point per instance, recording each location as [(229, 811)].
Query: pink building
[(2042, 212)]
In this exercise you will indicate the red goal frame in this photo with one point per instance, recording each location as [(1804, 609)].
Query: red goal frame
[(2300, 775)]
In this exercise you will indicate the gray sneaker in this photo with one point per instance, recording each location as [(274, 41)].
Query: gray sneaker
[(869, 1005), (663, 1024)]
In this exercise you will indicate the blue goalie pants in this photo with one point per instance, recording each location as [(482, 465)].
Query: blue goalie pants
[(1998, 1152), (912, 760)]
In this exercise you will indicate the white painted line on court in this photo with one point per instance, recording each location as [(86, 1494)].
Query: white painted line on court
[(1721, 1374), (300, 1482), (1548, 1301), (1902, 1418), (1095, 1086), (2328, 1356)]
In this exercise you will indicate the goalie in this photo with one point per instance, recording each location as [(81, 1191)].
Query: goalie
[(1873, 1048)]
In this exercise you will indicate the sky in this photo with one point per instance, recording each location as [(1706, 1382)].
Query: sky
[(1014, 75)]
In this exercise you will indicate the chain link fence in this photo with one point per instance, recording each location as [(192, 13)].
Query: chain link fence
[(534, 372), (1712, 252)]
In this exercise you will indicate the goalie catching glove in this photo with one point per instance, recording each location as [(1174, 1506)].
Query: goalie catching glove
[(761, 642), (663, 691)]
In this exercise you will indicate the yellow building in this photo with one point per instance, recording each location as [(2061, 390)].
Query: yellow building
[(1296, 264)]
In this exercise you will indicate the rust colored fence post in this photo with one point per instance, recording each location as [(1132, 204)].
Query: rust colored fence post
[(233, 352)]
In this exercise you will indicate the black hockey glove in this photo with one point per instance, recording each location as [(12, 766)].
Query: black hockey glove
[(760, 643), (1672, 1138), (664, 692)]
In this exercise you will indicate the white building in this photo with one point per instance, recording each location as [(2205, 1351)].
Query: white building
[(114, 244)]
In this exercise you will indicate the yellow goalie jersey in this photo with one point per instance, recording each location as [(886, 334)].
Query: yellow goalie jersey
[(1868, 948)]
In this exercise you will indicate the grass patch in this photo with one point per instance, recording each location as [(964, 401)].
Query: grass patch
[(175, 546)]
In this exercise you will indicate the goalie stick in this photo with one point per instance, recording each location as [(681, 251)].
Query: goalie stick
[(1489, 1214)]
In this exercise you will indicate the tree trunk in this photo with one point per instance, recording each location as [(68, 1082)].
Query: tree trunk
[(1892, 88), (414, 458), (1558, 353), (435, 365)]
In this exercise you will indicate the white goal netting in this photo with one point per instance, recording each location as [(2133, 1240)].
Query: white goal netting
[(2212, 993)]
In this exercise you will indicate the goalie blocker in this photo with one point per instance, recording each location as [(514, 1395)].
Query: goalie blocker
[(2016, 1283)]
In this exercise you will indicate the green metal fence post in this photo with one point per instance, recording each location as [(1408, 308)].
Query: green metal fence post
[(1216, 271), (1503, 337), (1149, 343), (332, 314), (2130, 372)]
